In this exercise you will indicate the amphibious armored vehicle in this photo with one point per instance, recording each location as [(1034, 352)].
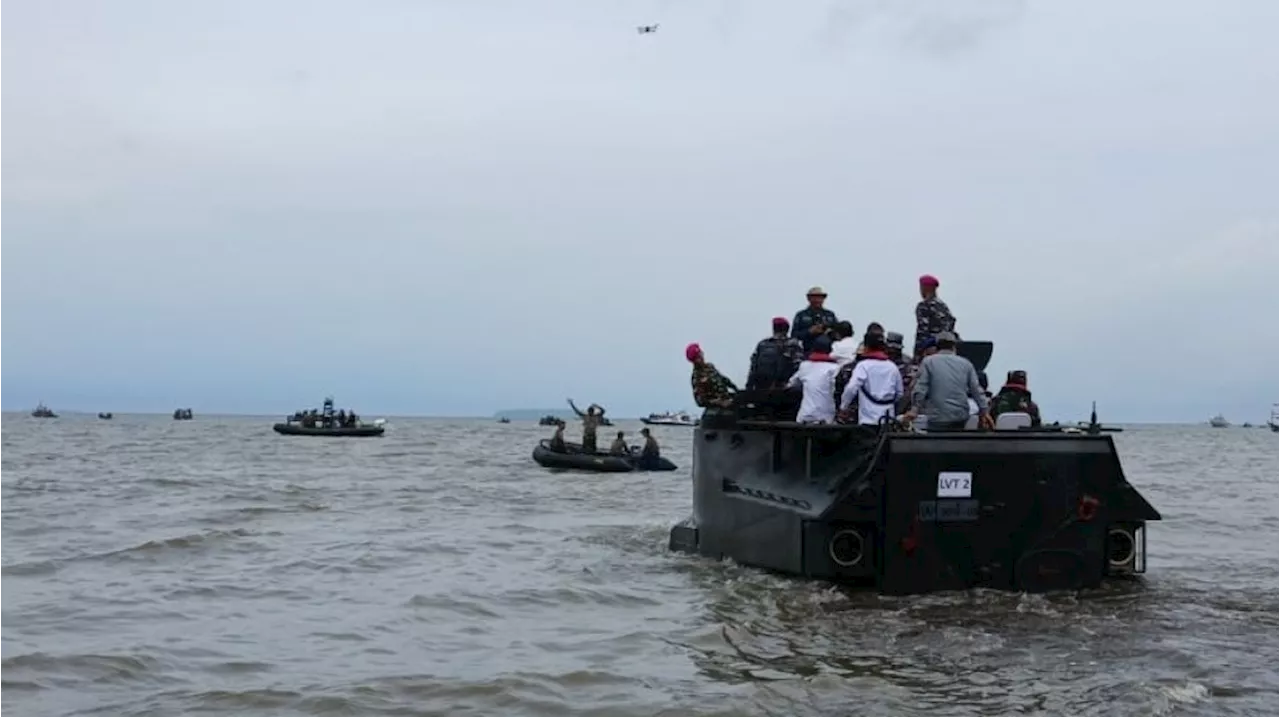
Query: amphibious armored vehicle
[(1025, 509)]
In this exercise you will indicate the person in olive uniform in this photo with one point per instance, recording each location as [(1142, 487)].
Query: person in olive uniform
[(813, 320), (557, 439), (619, 447), (590, 422)]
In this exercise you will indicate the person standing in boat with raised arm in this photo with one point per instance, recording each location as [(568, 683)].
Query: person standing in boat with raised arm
[(711, 389), (932, 315), (590, 422), (813, 320)]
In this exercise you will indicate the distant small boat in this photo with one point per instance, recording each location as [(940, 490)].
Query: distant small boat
[(670, 418), (297, 429), (549, 420), (43, 411), (182, 414), (504, 419), (106, 416), (1218, 421), (1274, 420), (328, 422)]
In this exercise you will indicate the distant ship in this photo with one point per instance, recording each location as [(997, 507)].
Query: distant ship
[(1218, 421), (1274, 420), (670, 418), (43, 411), (182, 414)]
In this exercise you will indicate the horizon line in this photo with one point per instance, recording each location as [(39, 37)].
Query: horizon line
[(26, 413)]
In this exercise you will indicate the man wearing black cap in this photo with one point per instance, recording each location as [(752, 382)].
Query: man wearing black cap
[(1014, 397), (813, 320), (775, 359)]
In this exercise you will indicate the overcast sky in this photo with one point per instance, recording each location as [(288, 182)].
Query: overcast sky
[(431, 207)]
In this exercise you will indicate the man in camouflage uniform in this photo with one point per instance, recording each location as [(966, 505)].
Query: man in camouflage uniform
[(1014, 397), (591, 420), (711, 389), (893, 343), (813, 320), (775, 359), (932, 316)]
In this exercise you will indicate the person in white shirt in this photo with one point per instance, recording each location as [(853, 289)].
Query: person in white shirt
[(876, 384), (817, 378), (845, 348)]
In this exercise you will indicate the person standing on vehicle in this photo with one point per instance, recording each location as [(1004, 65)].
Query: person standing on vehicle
[(942, 389), (932, 315), (812, 321), (775, 359), (817, 380)]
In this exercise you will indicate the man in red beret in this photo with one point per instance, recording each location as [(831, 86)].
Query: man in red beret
[(932, 316)]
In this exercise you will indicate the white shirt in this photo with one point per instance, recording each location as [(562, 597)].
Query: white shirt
[(844, 351), (819, 381), (882, 380)]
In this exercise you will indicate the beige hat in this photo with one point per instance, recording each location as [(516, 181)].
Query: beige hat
[(816, 291)]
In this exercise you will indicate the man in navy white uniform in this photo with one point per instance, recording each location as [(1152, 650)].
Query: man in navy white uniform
[(876, 384)]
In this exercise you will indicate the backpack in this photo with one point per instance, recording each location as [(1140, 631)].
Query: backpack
[(776, 361)]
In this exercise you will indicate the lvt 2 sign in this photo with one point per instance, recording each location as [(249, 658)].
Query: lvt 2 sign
[(955, 484)]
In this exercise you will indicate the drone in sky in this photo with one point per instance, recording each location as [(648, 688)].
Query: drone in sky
[(643, 29)]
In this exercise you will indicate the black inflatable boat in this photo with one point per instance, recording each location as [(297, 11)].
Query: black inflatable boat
[(575, 459), (297, 429)]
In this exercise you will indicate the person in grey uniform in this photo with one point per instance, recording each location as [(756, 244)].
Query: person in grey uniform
[(943, 386)]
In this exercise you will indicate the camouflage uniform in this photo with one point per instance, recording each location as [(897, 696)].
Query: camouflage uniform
[(590, 422), (792, 350), (710, 387), (906, 367), (932, 318), (806, 319), (1015, 398)]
